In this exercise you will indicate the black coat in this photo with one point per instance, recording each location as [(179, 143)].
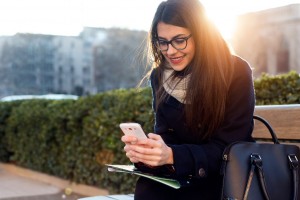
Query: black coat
[(192, 156)]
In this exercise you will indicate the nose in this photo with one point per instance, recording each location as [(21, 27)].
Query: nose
[(171, 50)]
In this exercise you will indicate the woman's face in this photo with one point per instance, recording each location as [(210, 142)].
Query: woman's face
[(178, 59)]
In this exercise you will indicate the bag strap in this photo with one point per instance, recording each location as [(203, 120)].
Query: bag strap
[(293, 160), (256, 163), (274, 137), (294, 165)]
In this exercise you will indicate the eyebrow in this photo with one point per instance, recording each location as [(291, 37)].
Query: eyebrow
[(176, 36)]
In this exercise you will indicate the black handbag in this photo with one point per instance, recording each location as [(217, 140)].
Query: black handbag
[(261, 171)]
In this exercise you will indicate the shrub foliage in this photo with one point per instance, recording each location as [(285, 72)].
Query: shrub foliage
[(75, 139)]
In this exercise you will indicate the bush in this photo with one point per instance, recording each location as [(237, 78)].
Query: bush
[(279, 89), (5, 111), (74, 139)]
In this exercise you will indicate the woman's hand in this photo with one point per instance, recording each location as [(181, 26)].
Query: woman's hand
[(129, 141), (151, 151)]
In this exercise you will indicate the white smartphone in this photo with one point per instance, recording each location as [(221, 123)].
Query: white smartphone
[(134, 129)]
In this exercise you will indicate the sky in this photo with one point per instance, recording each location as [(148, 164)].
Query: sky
[(68, 17)]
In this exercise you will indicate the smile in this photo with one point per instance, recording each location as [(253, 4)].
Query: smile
[(176, 60)]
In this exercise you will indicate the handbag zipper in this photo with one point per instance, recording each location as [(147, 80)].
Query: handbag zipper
[(225, 156)]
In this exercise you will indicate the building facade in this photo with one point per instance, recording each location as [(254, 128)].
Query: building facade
[(270, 39), (32, 64), (94, 61), (26, 65)]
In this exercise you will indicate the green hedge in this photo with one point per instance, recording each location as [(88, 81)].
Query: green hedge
[(279, 89), (75, 139)]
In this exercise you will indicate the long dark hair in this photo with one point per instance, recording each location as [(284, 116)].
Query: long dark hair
[(211, 68)]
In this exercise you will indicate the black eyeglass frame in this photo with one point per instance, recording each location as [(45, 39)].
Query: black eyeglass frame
[(170, 42)]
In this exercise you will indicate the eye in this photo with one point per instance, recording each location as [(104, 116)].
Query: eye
[(179, 41), (162, 43)]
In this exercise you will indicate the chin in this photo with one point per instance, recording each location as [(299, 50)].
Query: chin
[(178, 67)]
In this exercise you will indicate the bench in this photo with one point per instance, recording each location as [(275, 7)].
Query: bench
[(284, 119)]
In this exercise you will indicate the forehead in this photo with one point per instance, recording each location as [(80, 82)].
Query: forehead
[(169, 31)]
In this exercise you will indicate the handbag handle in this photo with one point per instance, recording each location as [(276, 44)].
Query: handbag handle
[(294, 166), (256, 162), (274, 137)]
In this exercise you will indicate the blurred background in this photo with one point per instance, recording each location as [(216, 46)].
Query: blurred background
[(66, 49), (83, 47)]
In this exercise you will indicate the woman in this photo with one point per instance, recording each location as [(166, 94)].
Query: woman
[(203, 99)]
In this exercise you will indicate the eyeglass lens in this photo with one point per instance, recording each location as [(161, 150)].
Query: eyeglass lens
[(177, 43)]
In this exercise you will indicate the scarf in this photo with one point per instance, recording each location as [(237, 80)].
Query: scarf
[(175, 86)]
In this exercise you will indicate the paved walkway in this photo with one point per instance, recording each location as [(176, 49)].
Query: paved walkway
[(15, 187)]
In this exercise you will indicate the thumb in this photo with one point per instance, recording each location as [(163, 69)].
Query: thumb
[(154, 136)]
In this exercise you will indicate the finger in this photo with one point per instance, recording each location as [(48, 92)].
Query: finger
[(154, 143), (154, 160), (127, 148), (133, 160), (130, 147), (143, 141), (147, 154), (150, 162), (142, 149), (150, 143), (130, 155), (154, 136), (128, 139)]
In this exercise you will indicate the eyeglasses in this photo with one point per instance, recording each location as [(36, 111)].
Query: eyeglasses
[(177, 43)]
